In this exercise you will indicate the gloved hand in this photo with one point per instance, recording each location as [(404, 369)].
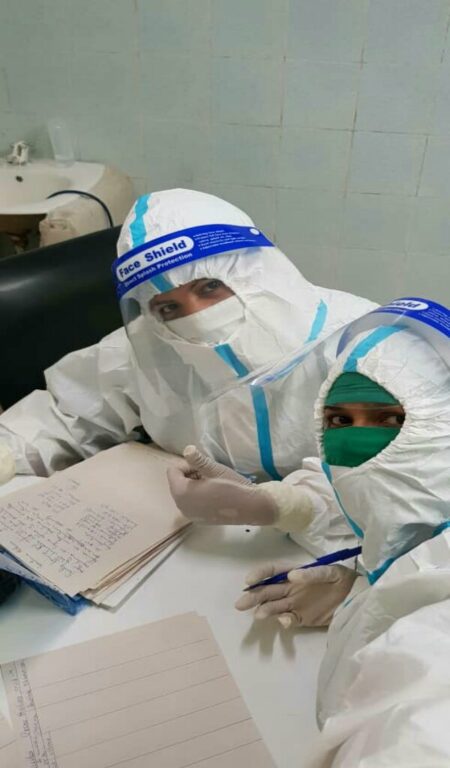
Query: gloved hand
[(308, 599), (7, 464), (208, 492)]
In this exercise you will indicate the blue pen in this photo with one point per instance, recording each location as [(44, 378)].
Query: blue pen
[(334, 557)]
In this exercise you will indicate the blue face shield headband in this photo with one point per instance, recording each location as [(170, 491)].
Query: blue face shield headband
[(149, 260)]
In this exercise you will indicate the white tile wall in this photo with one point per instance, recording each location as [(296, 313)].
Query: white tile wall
[(406, 31), (4, 97), (327, 30), (435, 180), (253, 27), (314, 159), (396, 97), (247, 90), (94, 29), (171, 26), (320, 96), (429, 229), (327, 120), (308, 217), (175, 86), (372, 272), (319, 264), (386, 163), (244, 155), (426, 276), (376, 222), (441, 117), (175, 154)]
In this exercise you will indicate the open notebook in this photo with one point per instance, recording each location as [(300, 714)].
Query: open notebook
[(95, 530), (157, 696)]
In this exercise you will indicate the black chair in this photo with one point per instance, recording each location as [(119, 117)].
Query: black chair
[(52, 301)]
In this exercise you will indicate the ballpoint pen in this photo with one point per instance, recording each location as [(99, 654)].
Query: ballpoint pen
[(334, 557)]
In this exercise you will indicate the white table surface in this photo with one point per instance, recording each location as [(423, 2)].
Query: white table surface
[(275, 670)]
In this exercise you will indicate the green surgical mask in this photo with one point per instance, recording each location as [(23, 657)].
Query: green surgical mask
[(352, 446)]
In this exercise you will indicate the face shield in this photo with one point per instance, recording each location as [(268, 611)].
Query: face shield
[(389, 466), (206, 301), (154, 269), (283, 395), (391, 481)]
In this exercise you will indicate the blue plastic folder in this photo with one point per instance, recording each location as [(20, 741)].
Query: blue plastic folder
[(71, 605)]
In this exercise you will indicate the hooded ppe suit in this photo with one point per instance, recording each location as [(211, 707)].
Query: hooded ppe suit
[(384, 684), (383, 695), (154, 376)]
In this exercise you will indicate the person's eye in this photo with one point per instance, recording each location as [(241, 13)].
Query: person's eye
[(338, 420), (211, 286), (167, 311), (393, 419)]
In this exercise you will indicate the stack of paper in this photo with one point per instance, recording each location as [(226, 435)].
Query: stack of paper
[(95, 530), (157, 696)]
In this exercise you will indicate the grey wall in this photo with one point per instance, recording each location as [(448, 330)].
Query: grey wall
[(328, 120)]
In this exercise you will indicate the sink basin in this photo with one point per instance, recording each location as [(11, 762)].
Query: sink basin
[(24, 188)]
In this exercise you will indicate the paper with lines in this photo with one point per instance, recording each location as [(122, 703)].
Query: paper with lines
[(159, 695), (8, 749), (85, 528)]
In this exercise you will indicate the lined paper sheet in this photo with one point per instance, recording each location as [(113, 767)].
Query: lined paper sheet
[(159, 695), (81, 524), (8, 749)]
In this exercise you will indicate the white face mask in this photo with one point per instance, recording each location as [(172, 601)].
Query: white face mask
[(212, 325)]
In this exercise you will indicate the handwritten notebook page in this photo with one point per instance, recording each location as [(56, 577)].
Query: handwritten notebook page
[(77, 527), (158, 696), (8, 748)]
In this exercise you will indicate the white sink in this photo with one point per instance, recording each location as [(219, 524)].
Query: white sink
[(24, 188)]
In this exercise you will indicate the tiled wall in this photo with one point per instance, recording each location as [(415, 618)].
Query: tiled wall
[(328, 120)]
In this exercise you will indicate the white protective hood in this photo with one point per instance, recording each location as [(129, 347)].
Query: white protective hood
[(401, 497), (274, 312), (383, 689), (160, 383)]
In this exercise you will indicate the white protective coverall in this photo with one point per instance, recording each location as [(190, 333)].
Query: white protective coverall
[(384, 684), (152, 374)]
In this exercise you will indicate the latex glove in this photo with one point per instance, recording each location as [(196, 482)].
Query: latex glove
[(308, 599), (208, 492), (200, 466), (7, 464)]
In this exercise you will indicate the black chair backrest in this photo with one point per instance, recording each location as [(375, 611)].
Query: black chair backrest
[(52, 301)]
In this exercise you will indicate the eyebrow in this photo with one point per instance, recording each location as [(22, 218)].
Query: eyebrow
[(160, 300)]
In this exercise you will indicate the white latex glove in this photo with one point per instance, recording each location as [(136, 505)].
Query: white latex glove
[(308, 599), (7, 464), (208, 492)]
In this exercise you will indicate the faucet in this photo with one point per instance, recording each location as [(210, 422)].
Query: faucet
[(19, 153)]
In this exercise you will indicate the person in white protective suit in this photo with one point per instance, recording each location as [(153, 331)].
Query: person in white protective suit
[(206, 299), (207, 491), (384, 684)]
